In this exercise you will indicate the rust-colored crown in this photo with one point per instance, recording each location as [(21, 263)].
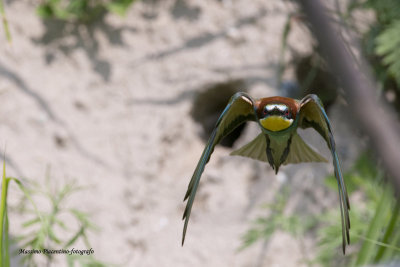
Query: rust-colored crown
[(290, 102)]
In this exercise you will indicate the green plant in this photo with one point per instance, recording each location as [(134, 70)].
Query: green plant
[(4, 244), (263, 227), (82, 11), (375, 222), (375, 228), (5, 22), (381, 41), (45, 226), (119, 7), (4, 239), (387, 44)]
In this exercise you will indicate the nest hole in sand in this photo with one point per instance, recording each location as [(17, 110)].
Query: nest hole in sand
[(209, 104)]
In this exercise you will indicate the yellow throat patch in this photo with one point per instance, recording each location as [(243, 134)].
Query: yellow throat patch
[(276, 123)]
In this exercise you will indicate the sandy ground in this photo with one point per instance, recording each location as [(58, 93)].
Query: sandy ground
[(109, 106)]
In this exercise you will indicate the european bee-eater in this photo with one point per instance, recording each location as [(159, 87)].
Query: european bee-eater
[(278, 143)]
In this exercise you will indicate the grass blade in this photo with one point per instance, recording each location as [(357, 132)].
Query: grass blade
[(376, 225), (4, 253), (5, 22), (26, 193), (389, 232), (381, 244), (6, 242)]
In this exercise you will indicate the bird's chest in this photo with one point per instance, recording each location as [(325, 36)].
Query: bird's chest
[(278, 144)]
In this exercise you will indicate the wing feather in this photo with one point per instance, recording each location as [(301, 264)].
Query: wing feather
[(312, 114), (240, 109), (301, 152), (256, 149)]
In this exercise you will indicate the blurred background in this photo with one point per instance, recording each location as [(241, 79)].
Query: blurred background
[(106, 107)]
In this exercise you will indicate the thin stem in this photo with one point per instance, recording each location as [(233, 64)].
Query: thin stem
[(3, 217), (5, 22)]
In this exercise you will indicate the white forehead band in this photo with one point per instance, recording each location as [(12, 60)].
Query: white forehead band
[(281, 107)]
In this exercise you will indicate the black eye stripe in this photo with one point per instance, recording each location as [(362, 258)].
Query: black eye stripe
[(277, 110)]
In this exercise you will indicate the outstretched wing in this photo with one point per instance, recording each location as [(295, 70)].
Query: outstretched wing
[(312, 114), (239, 109)]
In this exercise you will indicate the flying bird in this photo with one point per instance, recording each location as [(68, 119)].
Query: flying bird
[(278, 143)]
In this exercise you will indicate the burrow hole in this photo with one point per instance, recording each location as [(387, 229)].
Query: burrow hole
[(209, 104)]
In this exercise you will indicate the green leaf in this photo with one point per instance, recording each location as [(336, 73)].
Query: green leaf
[(366, 253), (378, 243), (31, 222), (75, 237), (120, 7), (83, 218), (61, 224), (53, 236), (390, 231), (387, 46), (5, 22), (6, 241), (391, 253), (386, 10), (45, 11), (4, 252), (27, 194)]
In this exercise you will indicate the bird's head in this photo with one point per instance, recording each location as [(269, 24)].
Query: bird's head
[(277, 114)]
